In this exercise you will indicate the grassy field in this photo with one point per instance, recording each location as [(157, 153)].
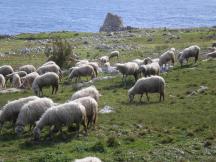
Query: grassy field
[(182, 128)]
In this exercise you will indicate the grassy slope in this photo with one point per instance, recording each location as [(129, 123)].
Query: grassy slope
[(171, 130)]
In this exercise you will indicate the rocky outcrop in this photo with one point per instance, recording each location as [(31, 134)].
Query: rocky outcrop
[(112, 23)]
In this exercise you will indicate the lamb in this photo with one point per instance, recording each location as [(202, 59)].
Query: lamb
[(20, 73), (88, 159), (31, 112), (91, 107), (27, 68), (85, 70), (104, 59), (49, 68), (64, 114), (129, 68), (192, 51), (167, 57), (153, 84), (28, 80), (6, 69), (11, 110), (16, 82), (150, 69), (114, 54), (47, 79), (2, 81), (89, 91)]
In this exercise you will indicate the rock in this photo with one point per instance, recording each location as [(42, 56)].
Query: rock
[(112, 23), (107, 109)]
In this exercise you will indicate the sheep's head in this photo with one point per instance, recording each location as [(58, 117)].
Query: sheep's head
[(19, 129), (130, 95), (36, 133)]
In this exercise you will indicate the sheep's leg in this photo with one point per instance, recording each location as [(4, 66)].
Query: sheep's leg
[(84, 123), (53, 89), (196, 58), (147, 96), (56, 88), (94, 121), (77, 129), (141, 97)]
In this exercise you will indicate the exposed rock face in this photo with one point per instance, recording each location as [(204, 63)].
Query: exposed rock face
[(112, 23)]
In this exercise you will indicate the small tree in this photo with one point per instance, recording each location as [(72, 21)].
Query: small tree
[(61, 52)]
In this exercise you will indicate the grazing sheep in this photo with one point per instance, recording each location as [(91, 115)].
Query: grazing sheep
[(150, 69), (11, 110), (89, 91), (85, 70), (47, 79), (114, 54), (64, 114), (49, 68), (20, 73), (167, 57), (192, 51), (28, 80), (95, 66), (211, 55), (130, 68), (91, 107), (104, 59), (88, 159), (16, 82), (27, 68), (31, 112), (6, 69), (2, 81), (153, 84)]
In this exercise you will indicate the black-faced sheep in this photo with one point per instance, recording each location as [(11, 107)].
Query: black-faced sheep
[(31, 112), (167, 57), (28, 80), (11, 110), (91, 107), (153, 84), (89, 91), (150, 69), (130, 68), (2, 81), (27, 68), (192, 51), (47, 79), (6, 69), (85, 70), (62, 115)]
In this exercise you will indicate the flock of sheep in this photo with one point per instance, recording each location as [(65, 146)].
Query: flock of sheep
[(82, 107)]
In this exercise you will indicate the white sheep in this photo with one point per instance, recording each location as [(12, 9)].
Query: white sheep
[(16, 82), (49, 68), (88, 159), (129, 68), (147, 60), (31, 112), (62, 115), (89, 91), (114, 54), (2, 81), (91, 107), (167, 57), (150, 69), (104, 59), (6, 69), (192, 51), (27, 68), (85, 70), (95, 66), (47, 79), (11, 110), (28, 80), (153, 84)]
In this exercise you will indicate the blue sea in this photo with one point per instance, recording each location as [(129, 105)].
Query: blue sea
[(21, 16)]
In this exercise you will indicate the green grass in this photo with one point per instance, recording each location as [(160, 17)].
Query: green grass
[(174, 130)]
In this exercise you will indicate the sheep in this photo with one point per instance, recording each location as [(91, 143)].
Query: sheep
[(20, 73), (95, 67), (91, 107), (153, 84), (167, 57), (49, 63), (16, 82), (129, 68), (211, 55), (5, 70), (27, 68), (114, 54), (31, 112), (150, 69), (82, 62), (88, 159), (2, 81), (28, 80), (147, 60), (85, 70), (64, 114), (11, 110), (49, 68), (104, 59), (89, 91), (192, 51), (47, 79)]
